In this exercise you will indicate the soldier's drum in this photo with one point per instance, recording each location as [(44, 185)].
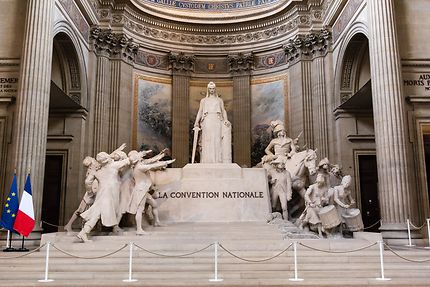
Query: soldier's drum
[(353, 220), (329, 217)]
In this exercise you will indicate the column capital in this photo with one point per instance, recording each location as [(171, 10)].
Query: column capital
[(241, 63), (113, 45), (181, 63), (308, 46)]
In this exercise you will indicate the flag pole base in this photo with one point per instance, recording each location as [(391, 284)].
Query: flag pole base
[(296, 279), (22, 250), (129, 280), (45, 280), (10, 249), (216, 280)]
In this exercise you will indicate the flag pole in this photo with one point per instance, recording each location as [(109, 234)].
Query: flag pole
[(9, 247), (22, 249)]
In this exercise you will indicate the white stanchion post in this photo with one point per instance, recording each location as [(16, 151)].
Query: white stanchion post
[(428, 231), (46, 265), (296, 278), (409, 234), (381, 257), (130, 265), (8, 239), (216, 279)]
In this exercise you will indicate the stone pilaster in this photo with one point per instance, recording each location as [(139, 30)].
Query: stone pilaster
[(122, 55), (182, 66), (32, 107), (305, 55), (320, 106), (390, 122), (101, 41), (240, 68)]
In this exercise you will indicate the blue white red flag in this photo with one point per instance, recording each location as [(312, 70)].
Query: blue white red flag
[(24, 222), (11, 207)]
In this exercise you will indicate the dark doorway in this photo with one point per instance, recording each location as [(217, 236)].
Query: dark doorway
[(369, 191), (426, 139), (52, 189)]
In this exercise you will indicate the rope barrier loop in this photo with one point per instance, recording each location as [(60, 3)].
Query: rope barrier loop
[(24, 254), (252, 260), (404, 258), (173, 256), (85, 257), (338, 252)]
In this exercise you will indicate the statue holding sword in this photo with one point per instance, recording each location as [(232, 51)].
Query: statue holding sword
[(214, 128)]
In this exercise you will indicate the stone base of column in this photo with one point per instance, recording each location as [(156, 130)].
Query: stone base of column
[(397, 234)]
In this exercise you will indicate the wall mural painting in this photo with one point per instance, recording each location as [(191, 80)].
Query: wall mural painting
[(268, 103), (198, 91), (153, 112)]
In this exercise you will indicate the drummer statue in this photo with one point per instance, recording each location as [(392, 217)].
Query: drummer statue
[(351, 217)]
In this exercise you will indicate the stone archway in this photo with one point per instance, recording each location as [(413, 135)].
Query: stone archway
[(66, 134), (355, 124)]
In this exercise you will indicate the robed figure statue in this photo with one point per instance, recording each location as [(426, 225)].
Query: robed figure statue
[(212, 122)]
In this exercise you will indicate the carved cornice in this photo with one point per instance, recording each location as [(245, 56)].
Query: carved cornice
[(308, 46), (181, 63), (112, 45), (240, 63), (166, 33)]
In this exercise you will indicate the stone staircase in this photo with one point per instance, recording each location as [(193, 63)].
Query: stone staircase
[(252, 241)]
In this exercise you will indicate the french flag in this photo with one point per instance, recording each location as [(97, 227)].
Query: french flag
[(24, 222)]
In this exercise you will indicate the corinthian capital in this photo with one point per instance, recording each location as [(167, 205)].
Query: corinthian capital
[(241, 62), (308, 46), (182, 63)]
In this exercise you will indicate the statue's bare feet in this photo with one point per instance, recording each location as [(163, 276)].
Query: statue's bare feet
[(159, 224), (140, 232), (117, 230), (68, 229), (83, 236)]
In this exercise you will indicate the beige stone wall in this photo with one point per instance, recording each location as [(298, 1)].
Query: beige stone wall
[(12, 20), (413, 29)]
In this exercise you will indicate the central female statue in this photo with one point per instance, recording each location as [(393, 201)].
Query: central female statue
[(215, 128)]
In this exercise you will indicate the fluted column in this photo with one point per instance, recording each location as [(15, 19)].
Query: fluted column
[(182, 65), (32, 107), (305, 55), (123, 52), (101, 102), (389, 116), (240, 68), (320, 105)]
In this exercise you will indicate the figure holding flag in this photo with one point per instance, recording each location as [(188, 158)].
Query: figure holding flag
[(9, 212), (24, 222)]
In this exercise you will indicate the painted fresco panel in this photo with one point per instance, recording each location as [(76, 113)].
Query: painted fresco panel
[(268, 102), (153, 113)]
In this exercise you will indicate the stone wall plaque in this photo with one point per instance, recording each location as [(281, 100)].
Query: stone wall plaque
[(213, 193), (416, 84), (8, 84)]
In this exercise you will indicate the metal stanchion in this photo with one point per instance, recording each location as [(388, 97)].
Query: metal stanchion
[(428, 232), (409, 234), (216, 279), (295, 264), (381, 257), (46, 265), (130, 265)]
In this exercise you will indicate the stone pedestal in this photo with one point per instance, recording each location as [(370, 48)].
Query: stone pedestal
[(213, 193)]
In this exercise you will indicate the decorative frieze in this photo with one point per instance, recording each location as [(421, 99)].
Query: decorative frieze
[(308, 46), (152, 60), (181, 62), (113, 45), (241, 63), (270, 60)]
